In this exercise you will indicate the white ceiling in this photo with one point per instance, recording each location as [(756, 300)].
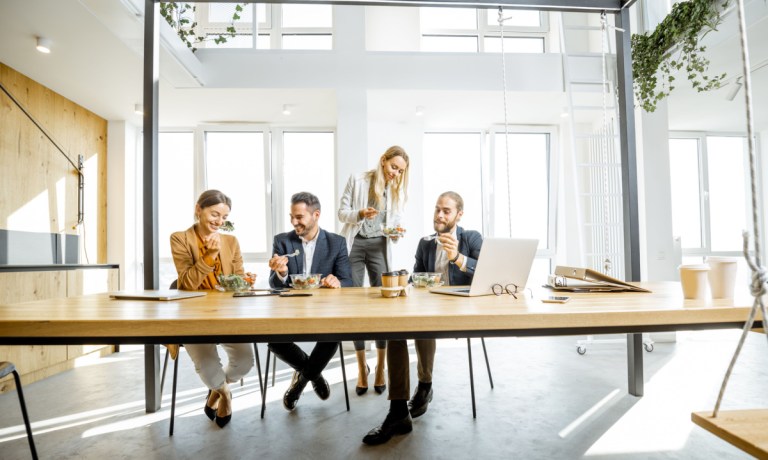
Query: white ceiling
[(96, 62)]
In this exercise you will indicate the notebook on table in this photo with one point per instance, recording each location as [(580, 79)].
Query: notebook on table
[(155, 294), (502, 261)]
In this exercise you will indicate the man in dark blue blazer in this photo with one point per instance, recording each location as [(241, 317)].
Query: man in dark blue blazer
[(321, 252), (453, 252)]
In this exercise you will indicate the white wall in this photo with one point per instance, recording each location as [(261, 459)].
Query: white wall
[(659, 258), (122, 201)]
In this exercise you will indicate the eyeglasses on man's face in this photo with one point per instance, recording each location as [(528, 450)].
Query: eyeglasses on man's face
[(510, 289)]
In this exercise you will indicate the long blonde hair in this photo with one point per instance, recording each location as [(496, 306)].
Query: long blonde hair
[(379, 183)]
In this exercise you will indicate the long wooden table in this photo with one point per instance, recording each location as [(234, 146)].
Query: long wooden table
[(356, 313)]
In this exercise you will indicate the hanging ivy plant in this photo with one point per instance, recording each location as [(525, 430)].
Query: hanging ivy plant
[(181, 16), (672, 46)]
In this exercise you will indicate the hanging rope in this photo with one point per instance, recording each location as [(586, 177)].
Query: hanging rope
[(759, 276), (604, 146), (506, 123)]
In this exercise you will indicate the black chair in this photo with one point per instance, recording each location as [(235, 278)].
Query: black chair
[(174, 285), (8, 368), (266, 379), (471, 375)]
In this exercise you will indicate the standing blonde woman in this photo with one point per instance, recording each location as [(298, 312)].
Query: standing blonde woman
[(201, 254), (371, 202)]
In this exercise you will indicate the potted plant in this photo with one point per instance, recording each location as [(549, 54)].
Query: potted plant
[(672, 46), (181, 17)]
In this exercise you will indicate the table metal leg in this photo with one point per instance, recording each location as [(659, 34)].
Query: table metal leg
[(635, 363), (152, 395)]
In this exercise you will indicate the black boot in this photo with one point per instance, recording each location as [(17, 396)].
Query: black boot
[(291, 397)]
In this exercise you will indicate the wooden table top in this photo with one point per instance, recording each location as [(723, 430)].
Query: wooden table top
[(362, 310)]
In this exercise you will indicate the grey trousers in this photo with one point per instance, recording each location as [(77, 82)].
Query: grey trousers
[(368, 254), (208, 363), (399, 365)]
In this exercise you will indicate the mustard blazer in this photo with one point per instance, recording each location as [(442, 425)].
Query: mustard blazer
[(191, 268)]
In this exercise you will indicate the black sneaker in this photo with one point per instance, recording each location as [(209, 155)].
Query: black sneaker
[(321, 387), (291, 397)]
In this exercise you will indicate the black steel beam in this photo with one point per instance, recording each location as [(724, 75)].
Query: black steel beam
[(584, 6), (627, 139), (151, 89)]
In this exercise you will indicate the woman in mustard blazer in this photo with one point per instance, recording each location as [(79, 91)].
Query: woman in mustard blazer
[(201, 254)]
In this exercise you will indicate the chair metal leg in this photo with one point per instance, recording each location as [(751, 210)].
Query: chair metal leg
[(165, 366), (25, 415), (487, 364), (173, 394), (344, 376), (471, 378), (258, 366), (274, 367), (266, 378)]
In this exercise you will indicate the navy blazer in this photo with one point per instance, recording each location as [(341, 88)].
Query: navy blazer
[(470, 242), (330, 257)]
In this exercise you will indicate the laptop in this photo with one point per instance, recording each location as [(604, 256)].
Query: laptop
[(502, 261), (161, 294)]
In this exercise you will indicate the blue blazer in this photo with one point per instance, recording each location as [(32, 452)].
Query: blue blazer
[(470, 242), (330, 257)]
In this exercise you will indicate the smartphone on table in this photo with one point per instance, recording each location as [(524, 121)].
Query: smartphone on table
[(556, 299)]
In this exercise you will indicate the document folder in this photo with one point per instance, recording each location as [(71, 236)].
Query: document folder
[(587, 280)]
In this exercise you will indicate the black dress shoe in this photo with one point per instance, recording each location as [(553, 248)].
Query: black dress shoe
[(321, 387), (418, 404), (291, 397), (389, 428)]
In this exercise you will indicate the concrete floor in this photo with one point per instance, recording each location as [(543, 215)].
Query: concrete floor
[(548, 403)]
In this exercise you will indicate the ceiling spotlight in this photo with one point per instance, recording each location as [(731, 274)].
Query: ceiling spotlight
[(43, 45), (139, 109), (287, 109), (734, 89), (419, 110)]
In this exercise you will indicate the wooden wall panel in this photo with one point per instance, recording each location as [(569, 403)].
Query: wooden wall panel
[(36, 176), (39, 193)]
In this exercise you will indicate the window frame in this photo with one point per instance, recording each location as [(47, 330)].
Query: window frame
[(704, 205), (270, 28), (482, 31), (487, 184), (553, 165), (278, 170)]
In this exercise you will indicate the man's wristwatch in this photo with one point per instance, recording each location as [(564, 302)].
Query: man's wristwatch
[(453, 261)]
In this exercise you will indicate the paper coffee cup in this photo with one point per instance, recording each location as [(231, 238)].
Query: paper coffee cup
[(722, 276), (693, 279)]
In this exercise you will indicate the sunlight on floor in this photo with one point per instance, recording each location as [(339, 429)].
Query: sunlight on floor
[(189, 403), (642, 430), (593, 412)]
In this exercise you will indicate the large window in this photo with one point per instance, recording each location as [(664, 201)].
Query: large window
[(710, 184), (276, 26), (477, 30), (258, 168), (309, 166), (485, 172)]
